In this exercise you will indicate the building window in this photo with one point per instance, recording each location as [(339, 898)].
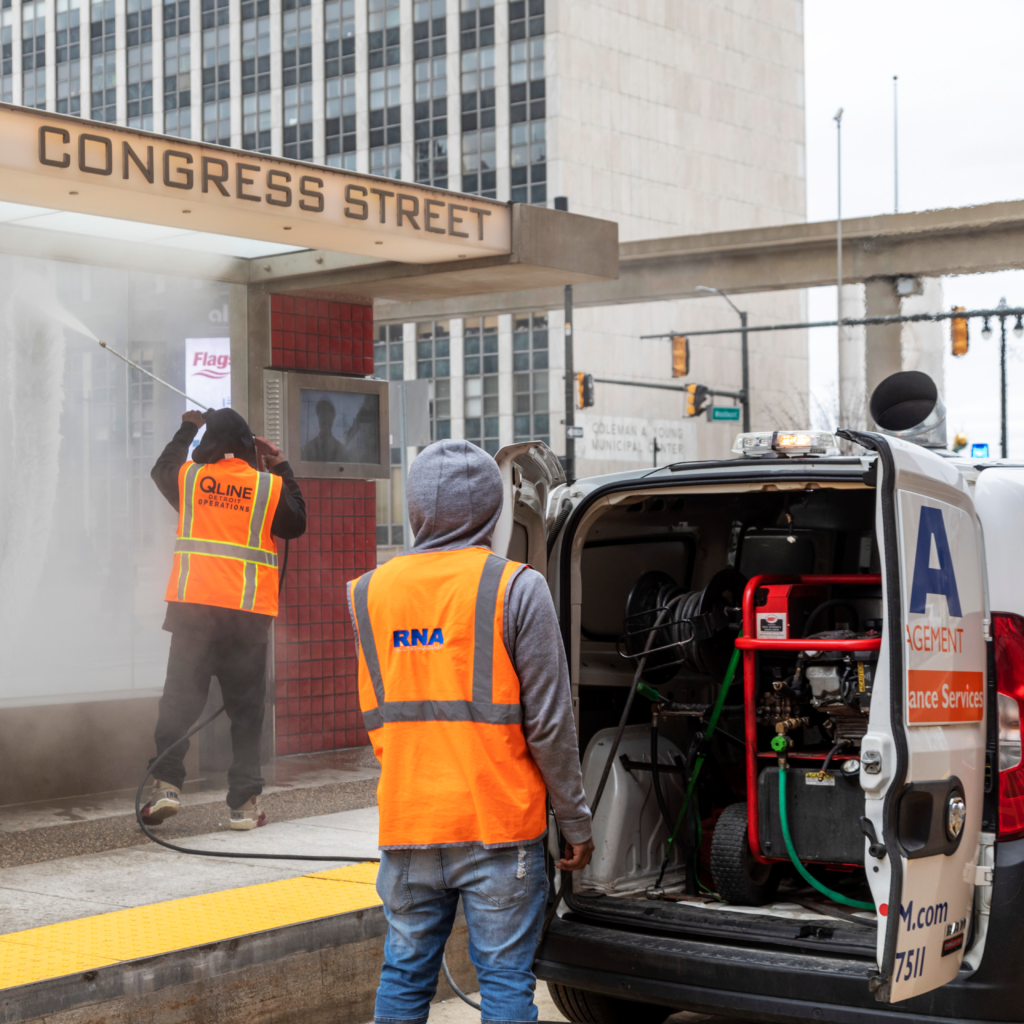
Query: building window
[(430, 72), (479, 146), (389, 352), (256, 76), (480, 345), (177, 70), (139, 45), (531, 417), (385, 89), (104, 61), (433, 362), (7, 54), (389, 504), (216, 72), (33, 54), (527, 106), (69, 75), (340, 83), (297, 78)]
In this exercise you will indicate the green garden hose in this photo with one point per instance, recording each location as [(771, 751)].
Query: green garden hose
[(716, 711), (804, 873)]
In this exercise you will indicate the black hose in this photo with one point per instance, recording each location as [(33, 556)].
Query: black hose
[(833, 603), (556, 526), (553, 909), (220, 853), (455, 988), (211, 853), (832, 753)]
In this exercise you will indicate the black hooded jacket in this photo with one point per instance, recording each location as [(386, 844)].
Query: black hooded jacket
[(224, 434)]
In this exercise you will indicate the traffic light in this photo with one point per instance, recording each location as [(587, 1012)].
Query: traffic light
[(958, 333), (680, 355), (696, 399), (584, 390)]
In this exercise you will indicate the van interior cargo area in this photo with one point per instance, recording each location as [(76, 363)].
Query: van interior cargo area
[(664, 579)]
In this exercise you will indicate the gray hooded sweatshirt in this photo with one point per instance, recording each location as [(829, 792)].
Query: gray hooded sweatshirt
[(455, 498)]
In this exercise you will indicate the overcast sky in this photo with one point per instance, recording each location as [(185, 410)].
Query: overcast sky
[(961, 112)]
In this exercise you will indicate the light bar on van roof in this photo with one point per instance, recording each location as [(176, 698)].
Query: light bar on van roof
[(786, 442)]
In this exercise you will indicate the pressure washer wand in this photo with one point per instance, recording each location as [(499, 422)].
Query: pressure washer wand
[(141, 369)]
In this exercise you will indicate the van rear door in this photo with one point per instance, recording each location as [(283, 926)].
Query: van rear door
[(530, 471), (923, 759)]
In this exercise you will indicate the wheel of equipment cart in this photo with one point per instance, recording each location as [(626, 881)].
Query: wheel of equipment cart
[(592, 1008), (738, 877)]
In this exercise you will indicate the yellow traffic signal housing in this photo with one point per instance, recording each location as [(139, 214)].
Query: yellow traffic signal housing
[(958, 335), (584, 390), (696, 399), (680, 355)]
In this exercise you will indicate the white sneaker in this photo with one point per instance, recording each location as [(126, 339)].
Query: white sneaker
[(248, 816), (164, 801)]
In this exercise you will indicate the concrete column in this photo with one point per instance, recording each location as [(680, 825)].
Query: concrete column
[(924, 343), (852, 412), (882, 343)]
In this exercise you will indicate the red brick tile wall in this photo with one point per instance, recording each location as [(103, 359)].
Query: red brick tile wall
[(314, 334), (317, 705)]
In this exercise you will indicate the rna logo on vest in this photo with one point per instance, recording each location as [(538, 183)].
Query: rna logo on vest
[(931, 538), (418, 638)]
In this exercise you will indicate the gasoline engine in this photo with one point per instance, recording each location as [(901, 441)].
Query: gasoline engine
[(805, 699)]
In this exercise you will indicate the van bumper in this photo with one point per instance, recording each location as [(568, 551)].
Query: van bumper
[(788, 987)]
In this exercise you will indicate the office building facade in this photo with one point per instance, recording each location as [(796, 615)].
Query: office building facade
[(671, 119)]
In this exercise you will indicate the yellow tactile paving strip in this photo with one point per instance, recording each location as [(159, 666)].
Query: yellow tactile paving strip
[(73, 947)]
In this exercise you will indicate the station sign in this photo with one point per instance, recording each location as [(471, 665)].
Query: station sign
[(66, 163)]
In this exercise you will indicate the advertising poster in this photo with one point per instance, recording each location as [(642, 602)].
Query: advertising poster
[(208, 375)]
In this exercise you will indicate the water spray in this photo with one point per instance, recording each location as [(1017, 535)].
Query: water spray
[(70, 320)]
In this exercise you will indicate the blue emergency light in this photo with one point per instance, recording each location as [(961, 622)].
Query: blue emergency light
[(979, 451)]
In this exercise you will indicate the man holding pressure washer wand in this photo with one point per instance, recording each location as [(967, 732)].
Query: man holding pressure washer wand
[(222, 596)]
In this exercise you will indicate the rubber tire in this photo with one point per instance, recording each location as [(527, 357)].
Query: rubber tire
[(738, 877), (592, 1008)]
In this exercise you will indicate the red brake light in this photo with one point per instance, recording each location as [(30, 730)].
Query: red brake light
[(1009, 642)]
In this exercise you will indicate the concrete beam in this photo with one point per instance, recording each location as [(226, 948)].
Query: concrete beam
[(549, 247), (933, 243)]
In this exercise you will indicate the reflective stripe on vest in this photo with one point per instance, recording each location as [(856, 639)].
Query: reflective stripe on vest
[(249, 550), (482, 707), (441, 701)]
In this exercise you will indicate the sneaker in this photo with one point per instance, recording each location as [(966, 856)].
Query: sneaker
[(164, 801), (248, 816)]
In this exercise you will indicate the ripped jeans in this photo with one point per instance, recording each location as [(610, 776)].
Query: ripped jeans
[(504, 893)]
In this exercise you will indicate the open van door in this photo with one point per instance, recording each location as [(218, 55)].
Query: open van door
[(530, 471), (923, 758)]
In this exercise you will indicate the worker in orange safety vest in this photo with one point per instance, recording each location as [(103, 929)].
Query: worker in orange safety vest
[(464, 689), (221, 597)]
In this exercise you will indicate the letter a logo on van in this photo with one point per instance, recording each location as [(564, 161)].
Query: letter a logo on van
[(940, 580)]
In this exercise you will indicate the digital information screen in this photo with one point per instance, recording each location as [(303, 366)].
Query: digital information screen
[(337, 426)]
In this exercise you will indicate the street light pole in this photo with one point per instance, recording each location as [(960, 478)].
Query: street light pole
[(1002, 380), (895, 147), (838, 118), (744, 354)]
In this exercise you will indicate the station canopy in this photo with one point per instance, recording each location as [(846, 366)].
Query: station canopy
[(78, 190)]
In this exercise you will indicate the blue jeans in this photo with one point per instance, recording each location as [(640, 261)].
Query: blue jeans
[(504, 893)]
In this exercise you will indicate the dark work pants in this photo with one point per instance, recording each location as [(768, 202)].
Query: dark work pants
[(241, 670)]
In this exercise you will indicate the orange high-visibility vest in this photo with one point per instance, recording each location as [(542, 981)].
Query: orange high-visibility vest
[(440, 700), (224, 554)]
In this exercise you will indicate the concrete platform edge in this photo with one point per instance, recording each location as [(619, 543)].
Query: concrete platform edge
[(322, 970)]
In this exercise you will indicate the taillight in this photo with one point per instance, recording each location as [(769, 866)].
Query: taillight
[(1009, 640)]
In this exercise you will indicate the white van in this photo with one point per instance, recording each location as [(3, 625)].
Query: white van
[(852, 848)]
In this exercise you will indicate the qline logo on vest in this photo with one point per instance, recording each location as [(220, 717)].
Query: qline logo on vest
[(226, 496), (421, 639)]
